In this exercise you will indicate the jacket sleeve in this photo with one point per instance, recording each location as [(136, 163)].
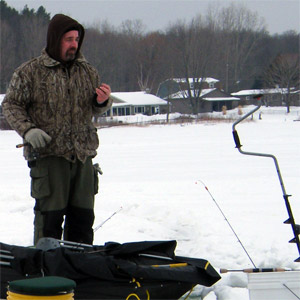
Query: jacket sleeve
[(102, 108), (99, 109), (15, 103)]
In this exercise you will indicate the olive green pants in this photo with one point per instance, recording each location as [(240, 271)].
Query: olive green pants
[(64, 191)]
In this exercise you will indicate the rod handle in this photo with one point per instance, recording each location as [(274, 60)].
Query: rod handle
[(22, 145), (236, 139), (255, 270)]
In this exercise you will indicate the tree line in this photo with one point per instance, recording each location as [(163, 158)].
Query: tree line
[(228, 43)]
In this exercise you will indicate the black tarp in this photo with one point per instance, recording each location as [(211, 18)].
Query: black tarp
[(113, 271)]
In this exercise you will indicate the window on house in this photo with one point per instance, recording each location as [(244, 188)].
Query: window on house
[(139, 109), (154, 110), (121, 111)]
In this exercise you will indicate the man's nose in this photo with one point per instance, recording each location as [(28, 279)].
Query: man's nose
[(74, 44)]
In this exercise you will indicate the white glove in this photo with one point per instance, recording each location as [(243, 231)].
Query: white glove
[(37, 138)]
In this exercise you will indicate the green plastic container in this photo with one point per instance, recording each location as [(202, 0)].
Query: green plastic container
[(50, 287)]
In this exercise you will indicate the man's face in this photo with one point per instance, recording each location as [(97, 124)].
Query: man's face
[(69, 45)]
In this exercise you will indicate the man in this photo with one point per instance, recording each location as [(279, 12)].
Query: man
[(50, 103)]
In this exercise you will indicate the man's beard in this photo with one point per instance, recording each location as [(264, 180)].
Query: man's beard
[(70, 55)]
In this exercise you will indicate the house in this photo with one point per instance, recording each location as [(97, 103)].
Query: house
[(296, 97), (212, 97), (131, 103), (272, 97), (171, 86)]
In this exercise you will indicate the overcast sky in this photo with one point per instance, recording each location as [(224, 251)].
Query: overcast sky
[(279, 15)]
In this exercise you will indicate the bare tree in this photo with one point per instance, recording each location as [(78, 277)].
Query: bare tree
[(150, 61), (284, 74), (192, 44), (237, 33)]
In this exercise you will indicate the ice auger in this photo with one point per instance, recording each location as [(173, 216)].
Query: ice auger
[(290, 220)]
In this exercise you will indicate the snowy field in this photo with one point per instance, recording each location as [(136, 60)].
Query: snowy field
[(154, 173)]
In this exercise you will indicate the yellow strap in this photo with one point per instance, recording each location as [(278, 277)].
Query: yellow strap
[(137, 297), (206, 266), (148, 295), (137, 283), (133, 295)]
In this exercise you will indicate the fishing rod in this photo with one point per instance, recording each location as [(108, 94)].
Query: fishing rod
[(212, 197), (258, 270), (101, 224), (290, 220)]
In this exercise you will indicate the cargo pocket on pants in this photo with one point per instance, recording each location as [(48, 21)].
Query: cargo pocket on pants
[(40, 187)]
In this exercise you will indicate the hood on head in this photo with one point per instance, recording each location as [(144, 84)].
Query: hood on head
[(58, 26)]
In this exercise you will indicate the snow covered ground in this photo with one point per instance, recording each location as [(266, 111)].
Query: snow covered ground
[(154, 173)]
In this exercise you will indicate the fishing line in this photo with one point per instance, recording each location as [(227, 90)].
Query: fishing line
[(212, 197), (290, 290), (101, 224)]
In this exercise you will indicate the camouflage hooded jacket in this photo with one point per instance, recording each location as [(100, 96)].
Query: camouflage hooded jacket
[(44, 93)]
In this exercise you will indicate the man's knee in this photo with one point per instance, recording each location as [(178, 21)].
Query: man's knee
[(38, 226), (53, 223), (48, 224)]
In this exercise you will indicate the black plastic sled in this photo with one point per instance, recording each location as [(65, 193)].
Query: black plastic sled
[(147, 270)]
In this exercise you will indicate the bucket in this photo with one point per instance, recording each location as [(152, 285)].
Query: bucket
[(42, 288), (274, 285)]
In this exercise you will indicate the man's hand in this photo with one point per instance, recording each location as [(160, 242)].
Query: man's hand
[(103, 93), (37, 138)]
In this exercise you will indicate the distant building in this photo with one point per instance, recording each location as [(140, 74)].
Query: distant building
[(174, 85), (272, 97), (209, 90), (131, 103)]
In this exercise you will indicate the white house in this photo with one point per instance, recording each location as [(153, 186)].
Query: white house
[(131, 103)]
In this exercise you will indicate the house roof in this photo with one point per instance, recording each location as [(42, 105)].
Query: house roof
[(261, 91), (221, 99), (221, 96), (192, 80), (184, 94), (136, 98)]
